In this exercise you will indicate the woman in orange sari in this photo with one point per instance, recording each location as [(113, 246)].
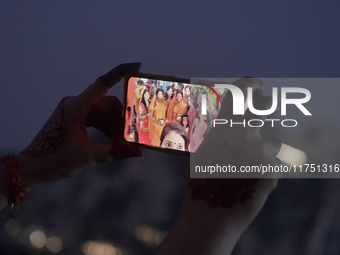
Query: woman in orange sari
[(157, 117), (177, 108)]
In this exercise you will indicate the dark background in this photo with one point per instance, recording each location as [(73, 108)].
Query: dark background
[(50, 49)]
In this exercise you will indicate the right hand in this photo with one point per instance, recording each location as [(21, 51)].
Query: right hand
[(216, 211)]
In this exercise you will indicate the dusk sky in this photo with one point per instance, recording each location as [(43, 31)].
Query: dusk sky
[(50, 49)]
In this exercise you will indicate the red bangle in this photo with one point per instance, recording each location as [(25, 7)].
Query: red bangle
[(18, 187)]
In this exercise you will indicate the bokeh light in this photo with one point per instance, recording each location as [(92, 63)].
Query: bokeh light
[(54, 244), (13, 227), (149, 235), (100, 248), (38, 239)]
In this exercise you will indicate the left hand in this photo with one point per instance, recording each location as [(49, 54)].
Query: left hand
[(63, 146)]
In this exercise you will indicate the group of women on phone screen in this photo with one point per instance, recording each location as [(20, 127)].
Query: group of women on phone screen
[(168, 114)]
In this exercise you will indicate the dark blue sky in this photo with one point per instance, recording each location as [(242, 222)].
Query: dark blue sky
[(49, 49)]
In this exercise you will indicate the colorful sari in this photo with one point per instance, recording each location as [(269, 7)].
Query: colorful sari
[(143, 125), (138, 98), (176, 110), (157, 120)]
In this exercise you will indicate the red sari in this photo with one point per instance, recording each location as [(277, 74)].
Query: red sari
[(143, 125)]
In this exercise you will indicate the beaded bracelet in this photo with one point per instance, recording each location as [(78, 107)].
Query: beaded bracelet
[(16, 188)]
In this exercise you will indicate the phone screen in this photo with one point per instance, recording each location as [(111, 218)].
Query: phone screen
[(169, 114)]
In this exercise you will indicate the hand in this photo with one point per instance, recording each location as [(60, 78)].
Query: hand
[(63, 146), (216, 211)]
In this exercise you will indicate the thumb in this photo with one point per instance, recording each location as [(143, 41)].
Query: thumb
[(108, 152)]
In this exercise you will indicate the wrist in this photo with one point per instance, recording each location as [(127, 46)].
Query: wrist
[(217, 222), (26, 172), (201, 229), (200, 235), (15, 187), (4, 187)]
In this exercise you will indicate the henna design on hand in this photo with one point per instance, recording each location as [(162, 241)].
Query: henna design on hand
[(51, 136), (222, 192)]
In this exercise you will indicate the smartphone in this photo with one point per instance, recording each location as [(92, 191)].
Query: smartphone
[(168, 113)]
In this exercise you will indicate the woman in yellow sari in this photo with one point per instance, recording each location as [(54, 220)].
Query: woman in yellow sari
[(177, 108), (157, 117)]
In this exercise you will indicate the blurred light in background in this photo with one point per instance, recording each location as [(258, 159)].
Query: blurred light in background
[(38, 239), (13, 227), (149, 235), (54, 244), (100, 248)]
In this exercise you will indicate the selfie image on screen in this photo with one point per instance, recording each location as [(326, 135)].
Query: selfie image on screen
[(169, 114)]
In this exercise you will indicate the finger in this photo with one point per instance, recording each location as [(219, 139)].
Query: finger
[(122, 149), (243, 84), (259, 102), (103, 153), (97, 90), (106, 116), (275, 144), (248, 82), (226, 115), (119, 72)]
